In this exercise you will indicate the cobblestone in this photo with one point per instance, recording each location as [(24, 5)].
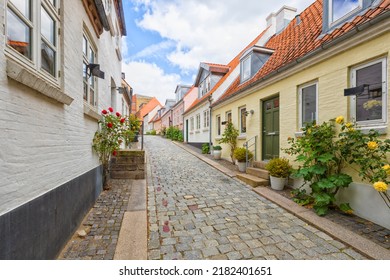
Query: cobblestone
[(103, 223), (222, 217)]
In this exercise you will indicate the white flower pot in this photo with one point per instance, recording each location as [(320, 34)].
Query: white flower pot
[(277, 183), (241, 166), (217, 154)]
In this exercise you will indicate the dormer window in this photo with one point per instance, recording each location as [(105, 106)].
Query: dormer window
[(340, 9), (336, 12), (253, 60)]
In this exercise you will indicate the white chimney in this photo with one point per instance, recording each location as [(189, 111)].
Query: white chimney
[(276, 22), (284, 16)]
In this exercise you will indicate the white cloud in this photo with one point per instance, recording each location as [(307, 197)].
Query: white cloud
[(155, 50), (211, 31), (149, 79), (195, 31)]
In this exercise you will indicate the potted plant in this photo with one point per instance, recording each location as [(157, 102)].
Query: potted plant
[(240, 156), (217, 151), (229, 137), (279, 170)]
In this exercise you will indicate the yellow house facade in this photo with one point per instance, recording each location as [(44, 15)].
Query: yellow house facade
[(326, 72)]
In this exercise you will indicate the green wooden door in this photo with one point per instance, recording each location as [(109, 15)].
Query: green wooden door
[(270, 128)]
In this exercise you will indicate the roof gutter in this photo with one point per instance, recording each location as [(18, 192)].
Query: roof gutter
[(102, 14), (321, 48)]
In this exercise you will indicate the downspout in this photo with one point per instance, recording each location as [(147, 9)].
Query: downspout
[(210, 122)]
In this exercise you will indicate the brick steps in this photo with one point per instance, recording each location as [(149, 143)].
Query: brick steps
[(261, 173)]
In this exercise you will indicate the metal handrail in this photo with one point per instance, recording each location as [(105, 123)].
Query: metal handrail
[(247, 145)]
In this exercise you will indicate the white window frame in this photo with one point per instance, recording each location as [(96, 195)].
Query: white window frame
[(35, 62), (246, 59), (197, 122), (86, 60), (372, 123), (206, 118), (240, 119), (300, 96), (335, 22), (192, 125), (227, 116), (218, 124)]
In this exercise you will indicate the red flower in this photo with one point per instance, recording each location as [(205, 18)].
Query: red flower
[(114, 153), (110, 109), (118, 114), (122, 120), (109, 125), (104, 112)]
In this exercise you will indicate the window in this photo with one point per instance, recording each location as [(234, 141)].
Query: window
[(369, 108), (339, 9), (246, 68), (308, 104), (197, 121), (218, 122), (192, 124), (206, 119), (32, 33), (89, 56), (229, 116), (242, 114)]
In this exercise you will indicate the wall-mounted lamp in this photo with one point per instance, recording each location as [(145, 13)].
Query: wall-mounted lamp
[(249, 112), (94, 70)]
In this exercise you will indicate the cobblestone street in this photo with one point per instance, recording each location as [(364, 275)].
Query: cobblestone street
[(197, 212)]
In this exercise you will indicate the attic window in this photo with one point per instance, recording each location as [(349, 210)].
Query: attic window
[(252, 61), (341, 9)]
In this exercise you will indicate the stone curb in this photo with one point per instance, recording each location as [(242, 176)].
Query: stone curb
[(363, 245)]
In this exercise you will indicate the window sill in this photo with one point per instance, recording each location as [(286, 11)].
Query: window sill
[(382, 130), (91, 112), (241, 137), (28, 78), (205, 130), (218, 138), (191, 132), (198, 131), (299, 134)]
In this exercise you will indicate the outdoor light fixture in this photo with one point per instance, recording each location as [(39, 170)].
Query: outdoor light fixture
[(356, 90), (94, 70), (249, 112)]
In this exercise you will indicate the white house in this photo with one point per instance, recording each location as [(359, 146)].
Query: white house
[(60, 66)]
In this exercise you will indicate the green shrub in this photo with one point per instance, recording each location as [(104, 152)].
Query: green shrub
[(205, 148), (229, 137), (153, 132), (279, 167), (174, 133), (240, 154), (217, 148)]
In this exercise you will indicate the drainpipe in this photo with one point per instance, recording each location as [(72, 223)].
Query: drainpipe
[(210, 122)]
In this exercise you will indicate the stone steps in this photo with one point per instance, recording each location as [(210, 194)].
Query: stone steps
[(259, 164), (252, 180), (128, 164), (261, 173)]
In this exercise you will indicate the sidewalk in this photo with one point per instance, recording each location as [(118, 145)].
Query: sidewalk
[(366, 237)]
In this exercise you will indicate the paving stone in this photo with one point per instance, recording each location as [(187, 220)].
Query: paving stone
[(226, 219)]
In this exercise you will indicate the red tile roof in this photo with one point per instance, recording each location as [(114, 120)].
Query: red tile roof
[(232, 65), (147, 108), (297, 40)]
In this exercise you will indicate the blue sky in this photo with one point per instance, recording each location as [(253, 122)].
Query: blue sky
[(167, 39)]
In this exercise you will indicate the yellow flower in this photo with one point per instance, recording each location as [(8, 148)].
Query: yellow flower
[(351, 129), (349, 125), (308, 131), (386, 167), (340, 119), (380, 186), (372, 145)]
